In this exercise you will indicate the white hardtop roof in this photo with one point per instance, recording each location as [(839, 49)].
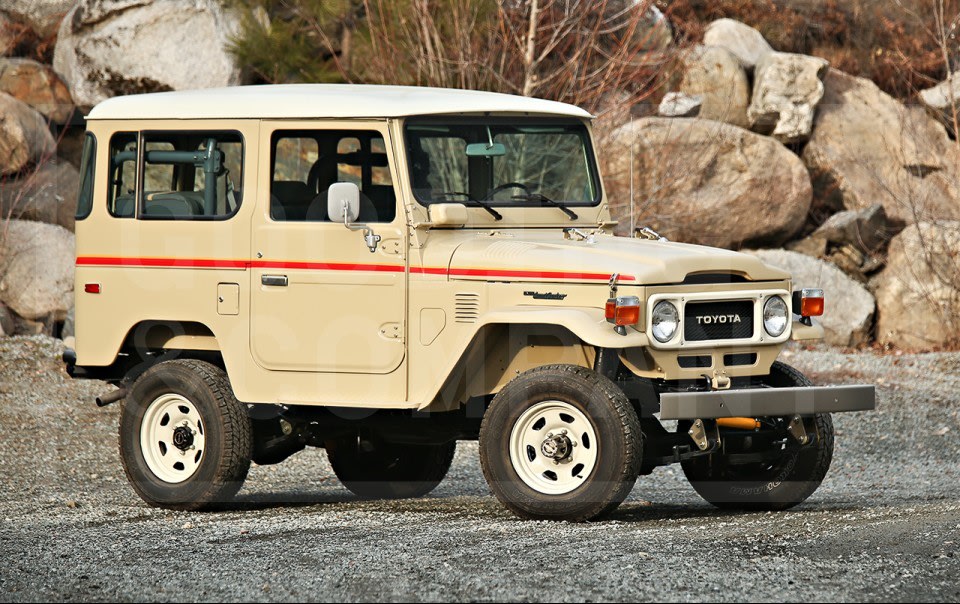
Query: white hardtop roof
[(321, 101)]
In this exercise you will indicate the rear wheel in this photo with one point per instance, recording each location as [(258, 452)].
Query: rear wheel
[(560, 442), (374, 469), (185, 440), (788, 476)]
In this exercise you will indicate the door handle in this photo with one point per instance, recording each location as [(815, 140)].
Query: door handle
[(275, 280)]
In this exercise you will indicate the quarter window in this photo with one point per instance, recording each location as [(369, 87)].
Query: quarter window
[(122, 193), (87, 164)]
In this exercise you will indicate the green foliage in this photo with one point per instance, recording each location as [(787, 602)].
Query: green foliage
[(284, 41)]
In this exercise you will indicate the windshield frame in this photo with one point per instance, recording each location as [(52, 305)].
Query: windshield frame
[(494, 120)]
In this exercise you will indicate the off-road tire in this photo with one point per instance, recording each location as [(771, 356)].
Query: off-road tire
[(382, 470), (227, 430), (616, 425), (779, 486)]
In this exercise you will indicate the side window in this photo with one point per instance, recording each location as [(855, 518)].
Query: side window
[(87, 176), (191, 175), (305, 163), (121, 195)]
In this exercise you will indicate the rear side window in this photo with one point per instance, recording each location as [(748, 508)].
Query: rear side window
[(191, 175), (122, 192), (87, 163)]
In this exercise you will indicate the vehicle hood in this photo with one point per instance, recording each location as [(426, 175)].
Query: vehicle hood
[(550, 257)]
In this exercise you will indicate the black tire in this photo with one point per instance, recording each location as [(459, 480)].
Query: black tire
[(618, 450), (779, 485), (375, 469), (225, 427)]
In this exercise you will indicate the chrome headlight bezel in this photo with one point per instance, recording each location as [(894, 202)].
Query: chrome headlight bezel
[(776, 316), (664, 312)]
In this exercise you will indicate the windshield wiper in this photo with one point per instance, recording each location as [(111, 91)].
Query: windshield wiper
[(471, 201), (544, 199)]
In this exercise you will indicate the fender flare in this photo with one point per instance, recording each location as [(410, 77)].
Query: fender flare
[(588, 324)]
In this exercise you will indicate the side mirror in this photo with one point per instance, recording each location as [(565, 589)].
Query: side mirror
[(343, 202), (343, 205)]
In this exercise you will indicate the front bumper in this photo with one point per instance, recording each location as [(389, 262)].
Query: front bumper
[(766, 402)]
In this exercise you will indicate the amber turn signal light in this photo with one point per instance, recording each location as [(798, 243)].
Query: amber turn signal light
[(808, 302), (624, 310)]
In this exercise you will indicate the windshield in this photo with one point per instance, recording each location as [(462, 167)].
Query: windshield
[(501, 161)]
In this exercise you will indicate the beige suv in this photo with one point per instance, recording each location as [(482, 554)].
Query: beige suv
[(384, 271)]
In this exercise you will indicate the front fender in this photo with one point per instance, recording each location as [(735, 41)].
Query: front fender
[(588, 324)]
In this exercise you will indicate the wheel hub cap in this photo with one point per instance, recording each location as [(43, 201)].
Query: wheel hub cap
[(183, 438), (556, 448)]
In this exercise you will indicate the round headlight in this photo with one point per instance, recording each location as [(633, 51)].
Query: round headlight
[(775, 316), (665, 321)]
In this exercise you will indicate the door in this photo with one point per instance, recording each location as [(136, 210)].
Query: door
[(321, 300)]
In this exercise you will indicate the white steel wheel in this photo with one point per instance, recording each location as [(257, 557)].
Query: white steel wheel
[(172, 438), (553, 447), (560, 442)]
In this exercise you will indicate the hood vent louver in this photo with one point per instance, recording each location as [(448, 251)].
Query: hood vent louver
[(466, 307)]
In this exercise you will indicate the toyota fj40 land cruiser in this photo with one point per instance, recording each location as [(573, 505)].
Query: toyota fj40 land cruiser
[(383, 271)]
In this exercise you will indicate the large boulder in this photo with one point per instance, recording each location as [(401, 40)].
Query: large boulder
[(918, 293), (707, 182), (787, 88), (849, 307), (43, 16), (36, 270), (48, 194), (114, 47), (943, 100), (25, 138), (678, 104), (869, 148), (715, 76), (746, 43), (36, 85), (8, 321), (866, 230)]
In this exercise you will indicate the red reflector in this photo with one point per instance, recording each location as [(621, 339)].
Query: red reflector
[(92, 288), (611, 309), (811, 307)]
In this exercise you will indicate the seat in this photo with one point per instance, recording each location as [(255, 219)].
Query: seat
[(174, 204), (291, 200)]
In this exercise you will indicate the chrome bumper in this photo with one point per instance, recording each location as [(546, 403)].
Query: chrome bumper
[(764, 402)]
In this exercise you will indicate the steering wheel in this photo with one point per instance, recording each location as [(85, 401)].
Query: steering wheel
[(505, 186)]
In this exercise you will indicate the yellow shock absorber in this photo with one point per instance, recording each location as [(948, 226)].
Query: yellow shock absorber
[(740, 423)]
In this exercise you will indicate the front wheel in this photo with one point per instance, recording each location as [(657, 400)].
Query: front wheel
[(560, 442), (790, 474)]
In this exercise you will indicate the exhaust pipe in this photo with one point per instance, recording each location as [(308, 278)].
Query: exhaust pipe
[(116, 395)]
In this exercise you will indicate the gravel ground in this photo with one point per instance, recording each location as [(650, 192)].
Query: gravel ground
[(885, 525)]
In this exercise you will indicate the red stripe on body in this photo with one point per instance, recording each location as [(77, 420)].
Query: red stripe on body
[(335, 266)]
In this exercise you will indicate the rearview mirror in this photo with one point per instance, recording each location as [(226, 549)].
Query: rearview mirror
[(343, 202), (486, 150)]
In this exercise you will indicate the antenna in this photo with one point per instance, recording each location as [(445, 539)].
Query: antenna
[(630, 168)]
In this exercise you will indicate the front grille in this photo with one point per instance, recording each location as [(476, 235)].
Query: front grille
[(727, 320)]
